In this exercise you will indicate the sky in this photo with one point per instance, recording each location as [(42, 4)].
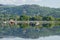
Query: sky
[(48, 3)]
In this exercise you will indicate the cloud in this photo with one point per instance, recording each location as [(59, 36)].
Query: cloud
[(24, 0), (12, 1), (49, 3), (18, 1), (37, 0)]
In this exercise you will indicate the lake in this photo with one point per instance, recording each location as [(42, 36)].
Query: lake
[(44, 31)]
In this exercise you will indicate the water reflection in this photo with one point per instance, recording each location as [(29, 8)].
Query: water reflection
[(24, 30)]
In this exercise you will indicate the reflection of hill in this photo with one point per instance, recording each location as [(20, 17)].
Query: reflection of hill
[(30, 32)]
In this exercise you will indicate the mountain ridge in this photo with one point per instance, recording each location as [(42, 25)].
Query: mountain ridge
[(31, 10)]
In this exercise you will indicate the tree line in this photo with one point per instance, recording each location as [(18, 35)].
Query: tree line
[(24, 17)]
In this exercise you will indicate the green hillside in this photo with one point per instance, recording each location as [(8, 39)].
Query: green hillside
[(30, 10)]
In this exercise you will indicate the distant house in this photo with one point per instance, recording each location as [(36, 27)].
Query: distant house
[(12, 21), (37, 23), (32, 24)]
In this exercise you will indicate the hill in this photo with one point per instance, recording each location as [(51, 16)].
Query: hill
[(30, 10)]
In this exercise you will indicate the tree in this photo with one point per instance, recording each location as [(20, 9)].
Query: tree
[(36, 18), (24, 17), (49, 18), (57, 19)]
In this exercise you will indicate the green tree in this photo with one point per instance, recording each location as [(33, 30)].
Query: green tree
[(24, 17), (49, 18), (57, 19)]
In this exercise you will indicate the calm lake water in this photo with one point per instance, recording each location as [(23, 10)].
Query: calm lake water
[(40, 32), (41, 38)]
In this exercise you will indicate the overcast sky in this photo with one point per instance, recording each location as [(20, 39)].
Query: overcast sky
[(49, 3)]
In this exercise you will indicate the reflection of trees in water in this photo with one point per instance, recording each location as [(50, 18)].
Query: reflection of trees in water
[(33, 25), (30, 32), (48, 25)]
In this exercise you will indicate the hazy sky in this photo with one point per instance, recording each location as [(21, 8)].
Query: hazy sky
[(49, 3)]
